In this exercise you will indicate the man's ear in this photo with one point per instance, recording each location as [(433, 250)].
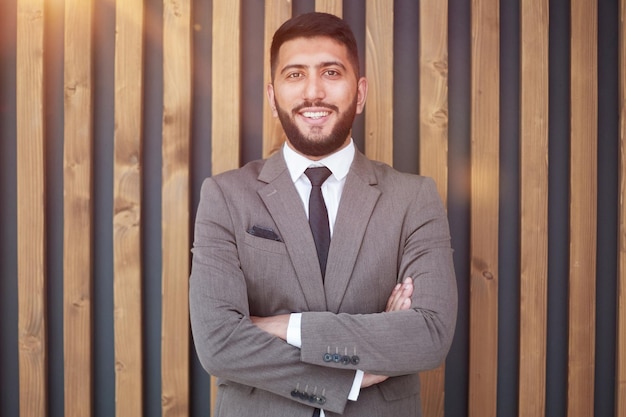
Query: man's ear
[(361, 91), (271, 99)]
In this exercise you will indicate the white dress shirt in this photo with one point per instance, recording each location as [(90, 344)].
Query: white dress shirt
[(339, 165)]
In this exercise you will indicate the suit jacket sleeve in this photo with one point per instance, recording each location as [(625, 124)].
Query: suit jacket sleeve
[(403, 342), (228, 344)]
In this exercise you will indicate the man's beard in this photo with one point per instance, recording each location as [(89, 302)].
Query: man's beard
[(314, 144)]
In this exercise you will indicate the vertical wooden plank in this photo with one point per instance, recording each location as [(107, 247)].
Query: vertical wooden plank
[(127, 208), (177, 74), (583, 210), (276, 12), (533, 206), (226, 98), (31, 209), (620, 395), (434, 144), (484, 208), (434, 92), (330, 6), (379, 70), (77, 208)]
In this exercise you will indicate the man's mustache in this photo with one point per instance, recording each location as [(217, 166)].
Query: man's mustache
[(319, 104)]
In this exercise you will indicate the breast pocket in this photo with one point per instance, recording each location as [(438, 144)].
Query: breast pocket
[(270, 276), (264, 245)]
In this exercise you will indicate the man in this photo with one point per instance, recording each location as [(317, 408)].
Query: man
[(287, 332)]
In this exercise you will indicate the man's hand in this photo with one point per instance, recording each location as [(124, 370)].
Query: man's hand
[(400, 299), (274, 325)]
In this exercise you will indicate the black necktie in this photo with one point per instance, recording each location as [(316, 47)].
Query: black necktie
[(318, 214)]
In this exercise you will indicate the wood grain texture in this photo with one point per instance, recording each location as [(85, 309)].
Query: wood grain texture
[(226, 101), (620, 373), (276, 13), (534, 106), (330, 6), (434, 93), (31, 209), (583, 210), (226, 81), (484, 206), (177, 98), (379, 72), (127, 172), (434, 144), (77, 209)]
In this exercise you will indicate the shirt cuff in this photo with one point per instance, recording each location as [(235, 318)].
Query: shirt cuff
[(356, 386), (294, 334)]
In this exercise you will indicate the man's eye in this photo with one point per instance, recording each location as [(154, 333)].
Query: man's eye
[(294, 75), (332, 73)]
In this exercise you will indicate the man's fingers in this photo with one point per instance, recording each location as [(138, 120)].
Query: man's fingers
[(393, 297), (400, 298), (371, 379)]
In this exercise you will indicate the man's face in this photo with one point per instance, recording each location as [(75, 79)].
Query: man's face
[(316, 95)]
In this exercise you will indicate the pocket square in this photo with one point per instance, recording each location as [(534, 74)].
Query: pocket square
[(264, 233)]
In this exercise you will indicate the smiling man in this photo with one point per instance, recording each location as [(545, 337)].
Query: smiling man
[(316, 93), (322, 282)]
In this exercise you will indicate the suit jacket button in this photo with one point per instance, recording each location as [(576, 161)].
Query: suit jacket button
[(321, 400), (345, 360), (337, 358), (328, 357), (355, 360)]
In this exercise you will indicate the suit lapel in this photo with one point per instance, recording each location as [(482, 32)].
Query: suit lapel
[(285, 207), (355, 209)]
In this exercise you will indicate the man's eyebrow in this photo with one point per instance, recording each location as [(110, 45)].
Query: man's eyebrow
[(332, 64), (321, 65), (292, 66)]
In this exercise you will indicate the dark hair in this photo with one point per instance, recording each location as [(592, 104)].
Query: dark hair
[(311, 25)]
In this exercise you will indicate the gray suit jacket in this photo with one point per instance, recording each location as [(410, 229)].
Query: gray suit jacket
[(389, 226)]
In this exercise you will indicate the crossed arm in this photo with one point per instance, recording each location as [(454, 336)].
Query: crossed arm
[(400, 299)]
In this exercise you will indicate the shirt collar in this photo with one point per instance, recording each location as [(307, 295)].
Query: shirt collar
[(338, 162)]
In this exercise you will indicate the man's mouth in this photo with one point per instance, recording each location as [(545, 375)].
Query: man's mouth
[(315, 114)]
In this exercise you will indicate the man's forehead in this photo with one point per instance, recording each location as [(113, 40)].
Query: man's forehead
[(312, 52)]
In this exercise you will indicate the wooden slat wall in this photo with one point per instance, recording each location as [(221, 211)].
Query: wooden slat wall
[(434, 143), (379, 70), (534, 207), (276, 12), (485, 156), (583, 201), (31, 202), (128, 182), (127, 175), (226, 101), (77, 177), (176, 147)]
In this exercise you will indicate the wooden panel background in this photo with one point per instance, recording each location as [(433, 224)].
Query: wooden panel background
[(78, 236), (534, 111), (127, 174), (31, 222), (179, 29), (485, 154), (583, 192)]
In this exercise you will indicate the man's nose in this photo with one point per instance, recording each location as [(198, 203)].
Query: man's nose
[(314, 89)]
